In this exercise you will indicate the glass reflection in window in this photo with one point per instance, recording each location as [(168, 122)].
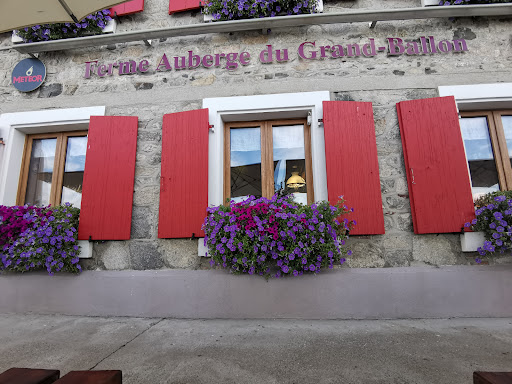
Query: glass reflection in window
[(39, 182), (245, 163), (290, 161), (74, 170), (479, 152)]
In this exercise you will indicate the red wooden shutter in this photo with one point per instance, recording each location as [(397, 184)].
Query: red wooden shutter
[(128, 8), (107, 190), (435, 163), (184, 176), (183, 5), (352, 164)]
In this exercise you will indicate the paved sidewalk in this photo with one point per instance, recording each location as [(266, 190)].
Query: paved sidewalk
[(260, 351)]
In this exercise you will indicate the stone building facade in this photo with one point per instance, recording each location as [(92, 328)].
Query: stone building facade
[(382, 79)]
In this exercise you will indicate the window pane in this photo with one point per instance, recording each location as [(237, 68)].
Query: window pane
[(507, 127), (245, 163), (290, 161), (482, 167), (74, 171), (39, 183)]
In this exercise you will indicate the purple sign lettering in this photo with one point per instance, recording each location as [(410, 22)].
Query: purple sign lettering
[(308, 50)]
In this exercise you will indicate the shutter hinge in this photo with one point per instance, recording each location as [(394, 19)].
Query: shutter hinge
[(320, 120), (116, 17), (211, 128)]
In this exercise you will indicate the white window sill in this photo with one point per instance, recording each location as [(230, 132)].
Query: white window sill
[(85, 249), (470, 241), (320, 9), (109, 28)]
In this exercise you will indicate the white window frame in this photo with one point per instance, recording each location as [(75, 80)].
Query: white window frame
[(471, 98), (265, 107), (257, 108), (14, 127)]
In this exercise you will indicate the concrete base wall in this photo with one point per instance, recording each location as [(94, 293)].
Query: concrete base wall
[(455, 291)]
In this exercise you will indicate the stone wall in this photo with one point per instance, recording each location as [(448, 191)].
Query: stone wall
[(382, 80)]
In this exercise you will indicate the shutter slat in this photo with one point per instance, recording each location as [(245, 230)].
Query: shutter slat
[(184, 176), (352, 164), (128, 8), (436, 166), (107, 191), (183, 5)]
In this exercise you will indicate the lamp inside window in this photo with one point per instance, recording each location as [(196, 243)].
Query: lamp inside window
[(268, 157)]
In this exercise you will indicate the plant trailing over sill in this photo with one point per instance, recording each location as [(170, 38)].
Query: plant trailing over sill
[(34, 238), (90, 25), (494, 219), (252, 9), (258, 235)]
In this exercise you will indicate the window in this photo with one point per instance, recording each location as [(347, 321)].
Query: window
[(487, 139), (264, 157), (53, 168)]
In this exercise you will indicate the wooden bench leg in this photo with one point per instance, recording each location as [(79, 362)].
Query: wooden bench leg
[(91, 377), (492, 377), (29, 376)]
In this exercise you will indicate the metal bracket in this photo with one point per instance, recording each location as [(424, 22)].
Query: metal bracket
[(116, 17), (147, 42), (68, 10), (32, 55), (266, 31), (211, 128), (372, 24)]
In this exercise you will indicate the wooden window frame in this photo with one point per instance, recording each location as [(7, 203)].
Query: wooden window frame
[(498, 143), (58, 165), (267, 168)]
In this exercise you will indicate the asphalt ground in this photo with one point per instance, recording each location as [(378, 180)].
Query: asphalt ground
[(260, 351)]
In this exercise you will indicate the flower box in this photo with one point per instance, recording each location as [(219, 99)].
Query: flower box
[(276, 237), (470, 241), (110, 27), (319, 9), (85, 249)]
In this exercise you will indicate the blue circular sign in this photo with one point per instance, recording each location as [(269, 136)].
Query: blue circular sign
[(28, 75)]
